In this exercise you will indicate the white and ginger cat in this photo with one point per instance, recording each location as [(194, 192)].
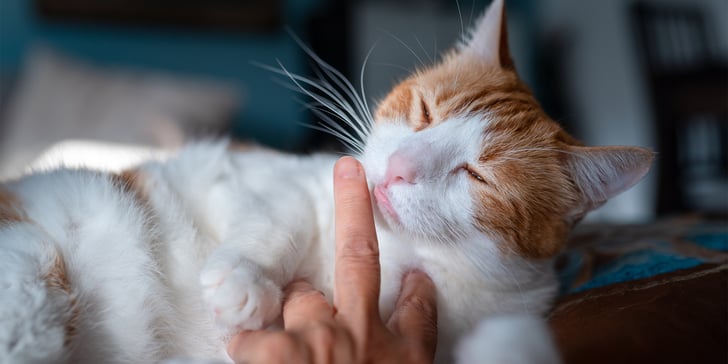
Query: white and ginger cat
[(472, 183)]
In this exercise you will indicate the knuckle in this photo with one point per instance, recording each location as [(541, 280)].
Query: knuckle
[(360, 244), (322, 335), (278, 347)]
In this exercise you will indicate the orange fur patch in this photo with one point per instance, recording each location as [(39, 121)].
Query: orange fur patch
[(56, 278), (10, 209), (397, 104), (238, 146), (132, 181)]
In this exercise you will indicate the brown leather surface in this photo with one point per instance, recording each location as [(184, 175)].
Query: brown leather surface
[(678, 317)]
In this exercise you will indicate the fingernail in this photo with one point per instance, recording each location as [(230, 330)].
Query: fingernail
[(414, 276), (348, 168)]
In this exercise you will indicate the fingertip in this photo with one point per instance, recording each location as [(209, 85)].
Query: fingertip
[(417, 282), (348, 168)]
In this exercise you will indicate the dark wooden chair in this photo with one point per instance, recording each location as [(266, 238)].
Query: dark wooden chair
[(688, 85)]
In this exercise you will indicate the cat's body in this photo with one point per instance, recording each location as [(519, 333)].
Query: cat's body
[(471, 183), (142, 302)]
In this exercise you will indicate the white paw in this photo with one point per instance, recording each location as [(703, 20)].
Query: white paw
[(515, 338), (239, 295)]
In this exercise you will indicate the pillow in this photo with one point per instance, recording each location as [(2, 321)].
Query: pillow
[(60, 98)]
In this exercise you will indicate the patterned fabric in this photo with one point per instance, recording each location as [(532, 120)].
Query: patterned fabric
[(599, 255)]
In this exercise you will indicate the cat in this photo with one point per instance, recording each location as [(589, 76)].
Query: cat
[(471, 182)]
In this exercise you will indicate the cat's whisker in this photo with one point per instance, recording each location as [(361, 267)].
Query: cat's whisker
[(472, 12), (351, 143), (341, 81), (432, 60), (340, 99), (370, 119), (403, 43), (341, 109), (331, 127), (330, 123), (460, 15), (363, 128), (395, 66)]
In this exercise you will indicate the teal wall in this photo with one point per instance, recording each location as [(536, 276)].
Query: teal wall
[(269, 112)]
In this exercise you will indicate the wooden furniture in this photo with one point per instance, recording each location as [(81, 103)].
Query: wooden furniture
[(688, 86)]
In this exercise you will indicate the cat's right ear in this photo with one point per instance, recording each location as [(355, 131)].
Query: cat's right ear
[(601, 173), (488, 40)]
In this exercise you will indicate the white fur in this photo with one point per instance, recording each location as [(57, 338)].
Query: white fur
[(225, 228), (512, 339)]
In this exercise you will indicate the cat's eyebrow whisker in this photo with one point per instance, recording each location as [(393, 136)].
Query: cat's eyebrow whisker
[(396, 66), (472, 11), (370, 119), (423, 48), (460, 15), (400, 41)]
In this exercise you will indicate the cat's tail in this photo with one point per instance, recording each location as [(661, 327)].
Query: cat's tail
[(39, 311)]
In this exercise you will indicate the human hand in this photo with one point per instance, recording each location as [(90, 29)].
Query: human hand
[(351, 331)]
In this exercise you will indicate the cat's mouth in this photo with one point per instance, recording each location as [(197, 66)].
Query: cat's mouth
[(382, 200)]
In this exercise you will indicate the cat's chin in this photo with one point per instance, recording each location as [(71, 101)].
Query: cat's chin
[(385, 206), (382, 215)]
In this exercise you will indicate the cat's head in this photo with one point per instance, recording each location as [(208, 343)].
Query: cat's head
[(463, 149)]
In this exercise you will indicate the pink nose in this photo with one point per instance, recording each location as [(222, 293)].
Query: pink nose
[(400, 170)]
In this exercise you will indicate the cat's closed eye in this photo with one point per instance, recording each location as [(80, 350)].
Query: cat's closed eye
[(474, 174), (426, 118)]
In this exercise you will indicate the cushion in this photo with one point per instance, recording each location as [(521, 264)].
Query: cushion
[(676, 317), (60, 98), (645, 293)]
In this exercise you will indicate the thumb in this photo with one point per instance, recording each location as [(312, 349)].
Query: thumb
[(415, 314)]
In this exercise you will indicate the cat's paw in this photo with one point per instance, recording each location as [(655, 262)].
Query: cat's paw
[(240, 296), (515, 338)]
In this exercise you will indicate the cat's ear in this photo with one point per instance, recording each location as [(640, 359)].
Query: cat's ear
[(488, 40), (601, 173)]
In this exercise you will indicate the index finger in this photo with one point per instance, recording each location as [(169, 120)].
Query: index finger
[(356, 293)]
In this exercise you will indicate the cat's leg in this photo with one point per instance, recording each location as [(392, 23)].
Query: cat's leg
[(262, 249), (517, 339), (259, 215), (38, 308)]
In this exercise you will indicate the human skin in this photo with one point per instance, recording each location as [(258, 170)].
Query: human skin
[(350, 331)]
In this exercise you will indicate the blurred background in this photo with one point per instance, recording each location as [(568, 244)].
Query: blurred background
[(154, 73)]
